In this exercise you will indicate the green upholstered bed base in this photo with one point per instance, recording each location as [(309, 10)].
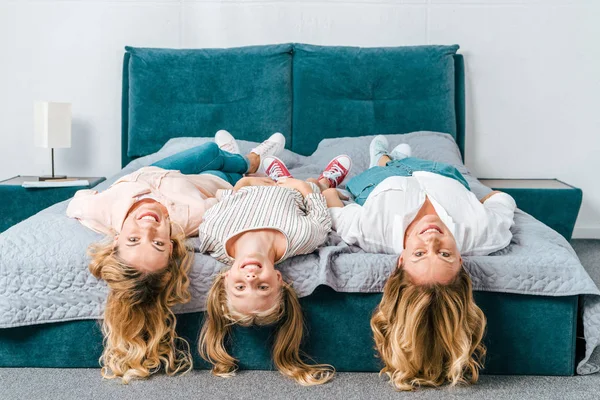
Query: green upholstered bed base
[(525, 335)]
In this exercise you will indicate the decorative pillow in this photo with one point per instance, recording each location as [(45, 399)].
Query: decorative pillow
[(353, 91), (173, 92)]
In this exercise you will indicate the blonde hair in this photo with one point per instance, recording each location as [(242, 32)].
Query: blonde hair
[(139, 326), (427, 335), (286, 349)]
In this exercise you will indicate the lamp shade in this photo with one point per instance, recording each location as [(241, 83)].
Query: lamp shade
[(52, 122)]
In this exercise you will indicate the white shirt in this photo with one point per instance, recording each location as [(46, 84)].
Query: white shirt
[(379, 225)]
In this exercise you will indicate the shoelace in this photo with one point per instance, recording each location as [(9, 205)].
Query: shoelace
[(275, 172), (333, 174), (228, 147), (265, 146)]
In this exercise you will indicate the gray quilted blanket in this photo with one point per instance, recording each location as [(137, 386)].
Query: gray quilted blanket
[(44, 276)]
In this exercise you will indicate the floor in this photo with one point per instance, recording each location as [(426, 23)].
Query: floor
[(30, 383), (200, 385)]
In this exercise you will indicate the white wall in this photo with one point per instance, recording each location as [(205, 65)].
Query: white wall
[(533, 70)]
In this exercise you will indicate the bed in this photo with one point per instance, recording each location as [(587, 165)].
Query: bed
[(535, 293)]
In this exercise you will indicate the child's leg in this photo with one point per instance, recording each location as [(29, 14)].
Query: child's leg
[(322, 183), (332, 198), (205, 158), (275, 168)]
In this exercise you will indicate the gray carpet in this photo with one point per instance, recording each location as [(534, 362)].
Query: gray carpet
[(29, 383), (200, 385)]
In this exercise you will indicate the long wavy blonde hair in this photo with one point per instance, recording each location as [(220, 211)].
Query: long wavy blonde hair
[(286, 353), (427, 335), (139, 326)]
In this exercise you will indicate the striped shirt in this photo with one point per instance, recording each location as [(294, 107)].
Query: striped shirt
[(305, 222)]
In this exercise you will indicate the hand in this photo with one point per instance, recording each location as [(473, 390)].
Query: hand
[(489, 195), (260, 181), (253, 181), (342, 196), (296, 184)]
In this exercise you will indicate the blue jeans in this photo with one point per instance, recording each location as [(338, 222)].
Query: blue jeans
[(363, 184), (207, 159)]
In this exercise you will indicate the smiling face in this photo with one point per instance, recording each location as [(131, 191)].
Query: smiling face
[(430, 252), (145, 238), (252, 284)]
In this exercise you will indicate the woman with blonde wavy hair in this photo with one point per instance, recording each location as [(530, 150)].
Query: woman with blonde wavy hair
[(427, 327), (144, 260), (252, 229), (429, 334), (139, 325)]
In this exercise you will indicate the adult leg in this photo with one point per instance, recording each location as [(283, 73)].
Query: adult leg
[(412, 164), (230, 177), (364, 183), (383, 161), (206, 157)]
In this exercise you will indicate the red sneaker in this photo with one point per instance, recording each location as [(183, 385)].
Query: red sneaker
[(337, 170), (275, 168)]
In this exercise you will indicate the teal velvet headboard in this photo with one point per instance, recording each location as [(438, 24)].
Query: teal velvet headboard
[(306, 92)]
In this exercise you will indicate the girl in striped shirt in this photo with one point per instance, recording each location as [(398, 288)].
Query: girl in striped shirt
[(252, 229)]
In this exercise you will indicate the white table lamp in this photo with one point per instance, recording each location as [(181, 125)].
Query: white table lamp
[(52, 128)]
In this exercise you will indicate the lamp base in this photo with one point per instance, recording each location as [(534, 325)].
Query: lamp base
[(51, 177)]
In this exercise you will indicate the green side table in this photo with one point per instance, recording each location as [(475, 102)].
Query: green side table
[(551, 201), (18, 203)]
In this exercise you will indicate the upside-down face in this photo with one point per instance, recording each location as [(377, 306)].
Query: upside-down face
[(253, 284), (145, 238), (430, 252)]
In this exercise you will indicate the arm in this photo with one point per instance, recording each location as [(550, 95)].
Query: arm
[(493, 192), (253, 181), (501, 207), (246, 181), (374, 227), (303, 187), (316, 210), (314, 203), (88, 211), (493, 232), (348, 222)]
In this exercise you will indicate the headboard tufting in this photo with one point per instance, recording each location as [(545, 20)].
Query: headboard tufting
[(306, 92)]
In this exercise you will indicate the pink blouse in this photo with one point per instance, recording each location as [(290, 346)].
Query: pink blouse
[(186, 197)]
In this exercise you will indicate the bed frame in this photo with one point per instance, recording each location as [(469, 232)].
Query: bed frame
[(525, 335)]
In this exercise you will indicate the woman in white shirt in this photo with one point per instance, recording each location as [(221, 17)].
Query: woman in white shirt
[(427, 327)]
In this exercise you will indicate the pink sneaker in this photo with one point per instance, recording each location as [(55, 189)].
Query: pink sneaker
[(337, 170), (275, 168)]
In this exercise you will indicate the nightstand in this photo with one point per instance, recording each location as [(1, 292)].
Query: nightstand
[(551, 201), (18, 203)]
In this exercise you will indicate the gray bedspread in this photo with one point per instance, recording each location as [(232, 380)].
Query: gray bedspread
[(44, 276)]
